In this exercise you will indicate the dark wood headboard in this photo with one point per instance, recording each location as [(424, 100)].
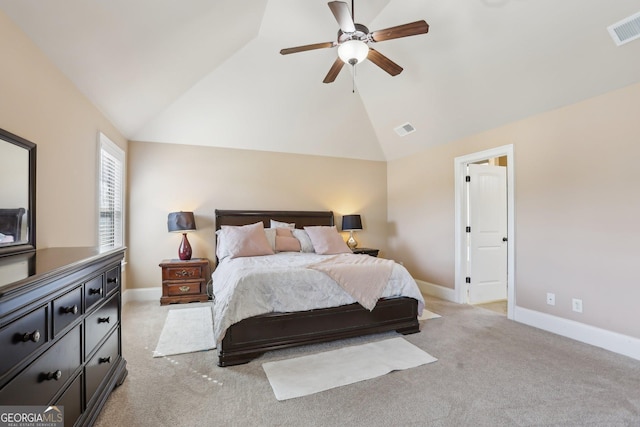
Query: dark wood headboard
[(11, 222), (301, 218)]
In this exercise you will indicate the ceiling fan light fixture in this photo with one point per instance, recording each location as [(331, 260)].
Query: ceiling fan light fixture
[(353, 51)]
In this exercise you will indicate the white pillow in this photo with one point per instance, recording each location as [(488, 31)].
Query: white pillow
[(305, 241), (271, 237), (278, 224), (326, 240)]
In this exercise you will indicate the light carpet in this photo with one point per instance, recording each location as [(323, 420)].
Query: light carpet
[(302, 376), (426, 315), (186, 330)]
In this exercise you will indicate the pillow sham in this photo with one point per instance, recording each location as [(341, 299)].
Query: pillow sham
[(305, 242), (243, 241), (280, 224), (326, 240)]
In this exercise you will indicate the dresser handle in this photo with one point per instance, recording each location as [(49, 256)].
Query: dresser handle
[(53, 375), (112, 280), (73, 309), (104, 359), (33, 336), (103, 320), (184, 273), (184, 288), (93, 291)]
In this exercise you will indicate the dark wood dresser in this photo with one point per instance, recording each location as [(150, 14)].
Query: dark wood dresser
[(60, 334)]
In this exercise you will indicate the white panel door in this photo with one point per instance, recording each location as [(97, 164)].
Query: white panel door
[(487, 264)]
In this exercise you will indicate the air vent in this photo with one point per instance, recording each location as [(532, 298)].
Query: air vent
[(405, 129), (626, 30)]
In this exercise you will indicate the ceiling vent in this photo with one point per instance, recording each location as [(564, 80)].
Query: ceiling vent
[(626, 30), (405, 129)]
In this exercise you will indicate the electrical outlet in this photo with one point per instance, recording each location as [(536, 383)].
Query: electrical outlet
[(576, 305), (551, 298)]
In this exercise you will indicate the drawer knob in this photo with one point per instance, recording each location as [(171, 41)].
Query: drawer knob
[(53, 375), (184, 273), (184, 288), (104, 359), (94, 291), (73, 309), (103, 320), (112, 280), (33, 336)]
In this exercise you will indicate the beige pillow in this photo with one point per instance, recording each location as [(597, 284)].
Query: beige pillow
[(326, 240), (246, 240)]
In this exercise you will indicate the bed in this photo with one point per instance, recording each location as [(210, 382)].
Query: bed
[(243, 340)]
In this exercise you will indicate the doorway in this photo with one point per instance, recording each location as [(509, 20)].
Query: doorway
[(463, 208)]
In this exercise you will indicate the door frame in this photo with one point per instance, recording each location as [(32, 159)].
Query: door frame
[(460, 170)]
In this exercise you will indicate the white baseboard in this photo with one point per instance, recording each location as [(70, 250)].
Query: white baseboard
[(437, 291), (612, 341), (141, 294)]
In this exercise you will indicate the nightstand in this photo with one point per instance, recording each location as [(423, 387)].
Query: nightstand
[(366, 251), (184, 281)]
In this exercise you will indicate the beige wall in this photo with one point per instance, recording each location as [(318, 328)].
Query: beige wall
[(38, 103), (167, 177), (577, 204)]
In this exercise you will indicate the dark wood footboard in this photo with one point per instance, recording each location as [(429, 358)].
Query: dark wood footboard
[(249, 338)]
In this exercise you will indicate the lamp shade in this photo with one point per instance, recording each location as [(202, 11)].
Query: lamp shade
[(353, 51), (181, 221), (351, 222)]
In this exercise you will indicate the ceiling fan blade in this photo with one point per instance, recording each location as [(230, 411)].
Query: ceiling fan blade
[(306, 47), (383, 62), (334, 71), (411, 29), (341, 11)]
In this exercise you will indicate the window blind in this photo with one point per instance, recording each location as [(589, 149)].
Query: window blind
[(111, 204)]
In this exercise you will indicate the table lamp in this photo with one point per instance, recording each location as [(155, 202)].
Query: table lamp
[(351, 223), (181, 222)]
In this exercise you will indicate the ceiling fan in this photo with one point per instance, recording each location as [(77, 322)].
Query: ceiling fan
[(354, 39)]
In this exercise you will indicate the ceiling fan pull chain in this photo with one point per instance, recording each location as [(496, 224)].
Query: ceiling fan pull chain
[(353, 79)]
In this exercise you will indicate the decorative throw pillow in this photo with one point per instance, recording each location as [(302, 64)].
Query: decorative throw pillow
[(305, 242), (285, 242), (326, 240), (280, 224), (271, 237), (245, 240)]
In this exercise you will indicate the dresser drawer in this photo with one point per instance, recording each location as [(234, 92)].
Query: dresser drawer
[(100, 364), (22, 337), (112, 279), (182, 273), (37, 384), (183, 288), (71, 401), (66, 309), (100, 323), (93, 291)]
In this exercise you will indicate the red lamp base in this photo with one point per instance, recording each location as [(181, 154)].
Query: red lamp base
[(184, 252)]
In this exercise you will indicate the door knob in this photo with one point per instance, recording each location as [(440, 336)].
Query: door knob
[(504, 239)]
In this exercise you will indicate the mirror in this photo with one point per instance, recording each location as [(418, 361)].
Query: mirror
[(17, 194)]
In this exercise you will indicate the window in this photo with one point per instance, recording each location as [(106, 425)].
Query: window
[(111, 194)]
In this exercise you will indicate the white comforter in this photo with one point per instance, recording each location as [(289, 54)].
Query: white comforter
[(250, 286)]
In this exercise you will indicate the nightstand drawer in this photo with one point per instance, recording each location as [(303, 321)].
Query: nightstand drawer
[(182, 273), (184, 288)]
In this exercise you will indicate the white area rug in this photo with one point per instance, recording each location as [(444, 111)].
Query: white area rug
[(426, 315), (306, 375), (186, 330)]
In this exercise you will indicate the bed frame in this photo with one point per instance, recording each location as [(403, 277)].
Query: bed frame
[(250, 338)]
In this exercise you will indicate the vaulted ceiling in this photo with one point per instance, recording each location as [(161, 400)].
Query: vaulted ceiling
[(209, 72)]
